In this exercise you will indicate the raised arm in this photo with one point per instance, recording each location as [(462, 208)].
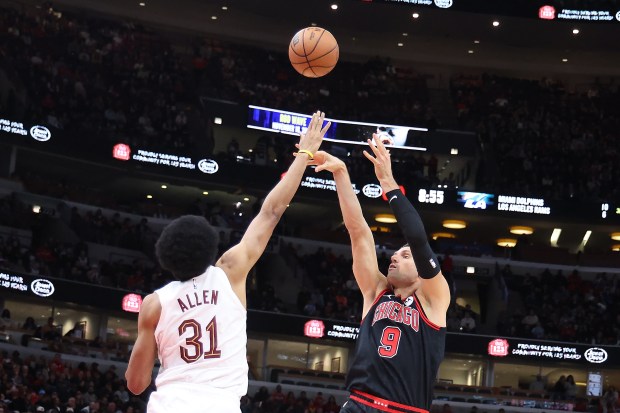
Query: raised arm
[(142, 360), (238, 260), (434, 288), (365, 266)]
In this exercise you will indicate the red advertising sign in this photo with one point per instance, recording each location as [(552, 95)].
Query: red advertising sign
[(132, 303), (121, 152), (498, 347), (546, 13), (314, 329)]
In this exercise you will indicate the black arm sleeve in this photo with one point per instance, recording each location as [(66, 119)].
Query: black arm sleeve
[(412, 227)]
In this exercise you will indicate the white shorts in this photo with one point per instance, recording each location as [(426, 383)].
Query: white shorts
[(192, 398)]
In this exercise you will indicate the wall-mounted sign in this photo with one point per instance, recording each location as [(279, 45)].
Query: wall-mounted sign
[(314, 329), (498, 348), (131, 303), (39, 286)]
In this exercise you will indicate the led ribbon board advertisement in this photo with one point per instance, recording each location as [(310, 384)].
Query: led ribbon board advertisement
[(561, 10), (553, 351), (509, 349), (124, 152), (342, 131), (39, 133)]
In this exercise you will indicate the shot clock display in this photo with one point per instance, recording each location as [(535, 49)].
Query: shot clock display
[(431, 196)]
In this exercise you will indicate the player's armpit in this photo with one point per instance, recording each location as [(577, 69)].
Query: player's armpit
[(435, 294), (140, 368)]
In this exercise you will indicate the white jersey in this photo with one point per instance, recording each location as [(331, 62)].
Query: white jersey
[(201, 338)]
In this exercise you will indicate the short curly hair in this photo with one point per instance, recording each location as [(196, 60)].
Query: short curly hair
[(187, 246)]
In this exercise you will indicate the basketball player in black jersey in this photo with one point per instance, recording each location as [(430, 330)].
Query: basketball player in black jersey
[(402, 335)]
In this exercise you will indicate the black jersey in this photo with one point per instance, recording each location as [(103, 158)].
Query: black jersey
[(398, 352)]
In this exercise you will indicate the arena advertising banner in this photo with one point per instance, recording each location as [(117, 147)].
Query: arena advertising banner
[(125, 153), (512, 349), (48, 288), (35, 132), (551, 10), (340, 131), (302, 327), (27, 284), (193, 165)]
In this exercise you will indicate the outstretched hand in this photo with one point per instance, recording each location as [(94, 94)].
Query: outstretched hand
[(382, 163), (312, 138), (325, 161)]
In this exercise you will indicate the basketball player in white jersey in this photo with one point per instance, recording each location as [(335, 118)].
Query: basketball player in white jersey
[(196, 326)]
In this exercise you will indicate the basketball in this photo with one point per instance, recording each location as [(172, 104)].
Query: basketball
[(313, 52)]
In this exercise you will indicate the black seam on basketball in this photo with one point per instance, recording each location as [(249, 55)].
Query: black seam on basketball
[(317, 42), (308, 68), (303, 44), (294, 51), (323, 55), (318, 66)]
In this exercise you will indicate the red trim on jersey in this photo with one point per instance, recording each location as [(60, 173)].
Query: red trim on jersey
[(383, 404), (387, 290), (423, 314)]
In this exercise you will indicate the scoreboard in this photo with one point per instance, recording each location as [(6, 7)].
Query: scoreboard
[(515, 205)]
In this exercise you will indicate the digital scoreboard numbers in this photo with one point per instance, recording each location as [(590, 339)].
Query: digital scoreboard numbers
[(609, 211), (432, 196)]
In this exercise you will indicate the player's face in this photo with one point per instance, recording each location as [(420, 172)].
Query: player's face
[(402, 270)]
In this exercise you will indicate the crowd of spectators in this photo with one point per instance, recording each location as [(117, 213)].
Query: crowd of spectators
[(555, 306), (48, 383), (564, 308), (100, 78), (278, 402), (545, 139), (96, 78), (52, 384)]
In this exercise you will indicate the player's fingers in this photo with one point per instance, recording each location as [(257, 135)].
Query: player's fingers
[(319, 124), (381, 152), (317, 120), (372, 146), (370, 157), (324, 130), (379, 143), (312, 121), (297, 145)]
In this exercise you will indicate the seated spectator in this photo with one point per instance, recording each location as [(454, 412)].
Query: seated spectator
[(530, 320), (609, 400), (49, 331), (446, 408), (538, 384), (76, 332), (559, 388), (331, 406), (468, 324), (570, 388), (277, 398), (5, 319), (538, 331)]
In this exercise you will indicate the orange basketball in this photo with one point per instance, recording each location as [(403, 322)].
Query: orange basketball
[(313, 52)]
